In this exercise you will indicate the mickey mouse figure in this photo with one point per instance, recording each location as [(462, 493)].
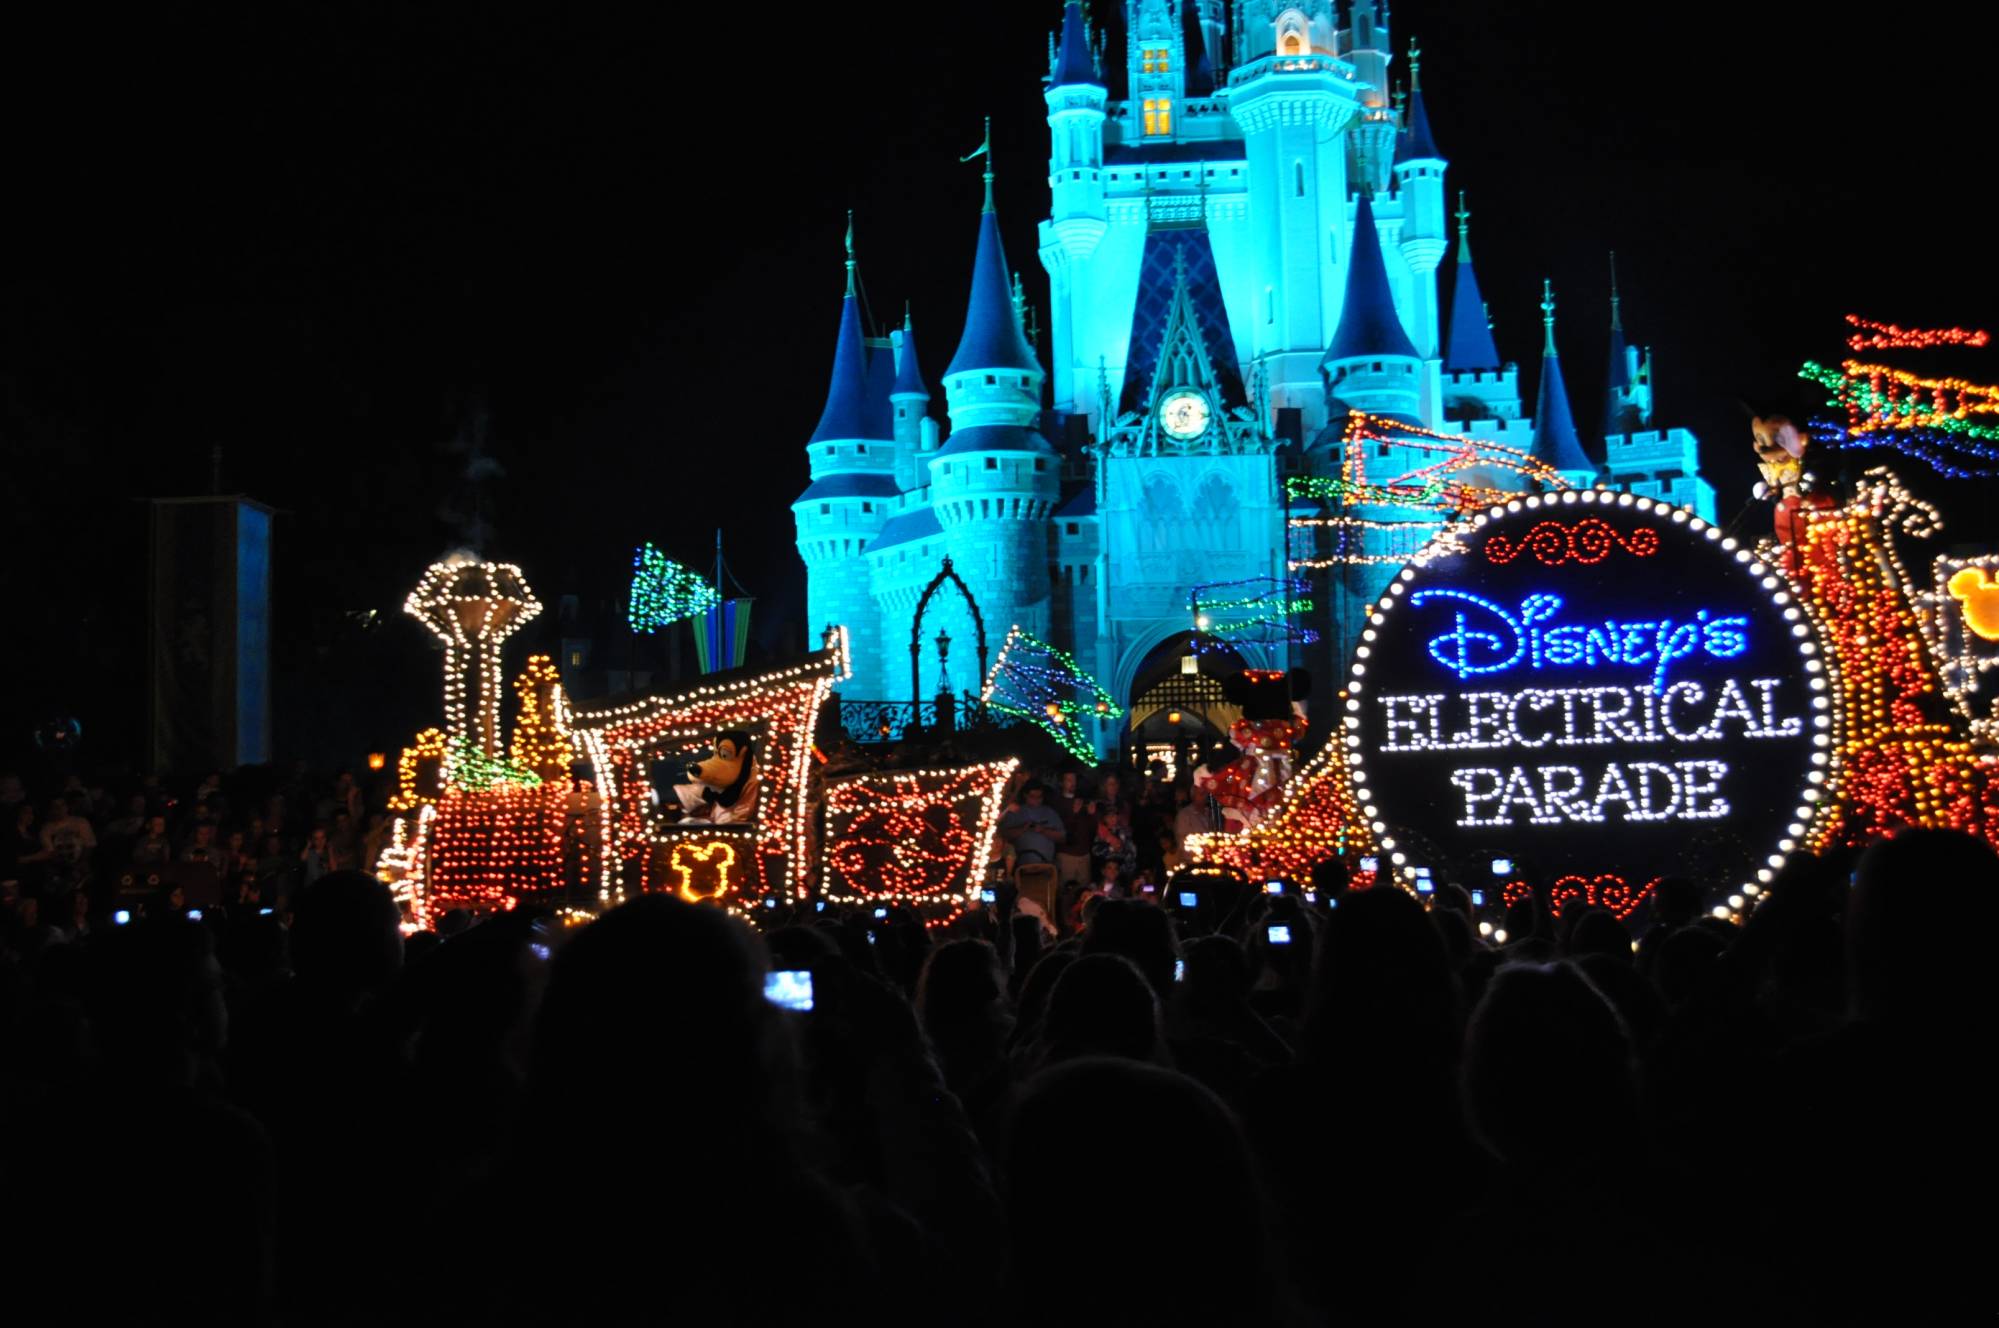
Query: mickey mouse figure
[(1780, 457), (1272, 723)]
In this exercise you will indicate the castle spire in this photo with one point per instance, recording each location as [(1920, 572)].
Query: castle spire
[(1622, 408), (909, 374), (992, 338), (846, 412), (1369, 325), (1469, 348), (985, 149), (1073, 63), (1555, 440), (850, 253)]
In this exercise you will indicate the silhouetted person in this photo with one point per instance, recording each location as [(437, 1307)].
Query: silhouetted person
[(1102, 1006), (1134, 1200)]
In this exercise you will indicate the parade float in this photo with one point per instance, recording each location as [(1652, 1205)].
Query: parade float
[(1597, 688)]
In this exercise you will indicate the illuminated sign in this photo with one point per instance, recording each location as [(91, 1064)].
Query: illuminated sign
[(1603, 687)]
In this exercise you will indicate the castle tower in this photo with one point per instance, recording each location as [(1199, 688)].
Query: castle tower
[(1419, 180), (909, 396), (994, 482), (1555, 440), (1155, 64), (1477, 384), (1366, 44), (1292, 98), (1627, 405), (1371, 365), (852, 457), (1076, 99)]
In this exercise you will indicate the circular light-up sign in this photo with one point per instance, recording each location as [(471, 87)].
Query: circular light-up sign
[(1600, 686)]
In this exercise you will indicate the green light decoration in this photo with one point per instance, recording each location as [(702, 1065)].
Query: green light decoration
[(1045, 686), (1262, 617), (469, 768), (664, 592)]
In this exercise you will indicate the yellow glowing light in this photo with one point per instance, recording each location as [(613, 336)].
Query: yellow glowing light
[(689, 855)]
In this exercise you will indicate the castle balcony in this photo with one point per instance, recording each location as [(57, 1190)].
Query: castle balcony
[(1291, 65)]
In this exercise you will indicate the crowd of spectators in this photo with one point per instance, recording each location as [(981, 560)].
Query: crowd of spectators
[(1255, 1109)]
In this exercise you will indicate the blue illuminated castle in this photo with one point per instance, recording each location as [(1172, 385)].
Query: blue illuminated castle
[(1243, 244)]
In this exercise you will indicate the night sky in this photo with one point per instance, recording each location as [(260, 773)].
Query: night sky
[(348, 244)]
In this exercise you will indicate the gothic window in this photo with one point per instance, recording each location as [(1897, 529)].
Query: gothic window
[(992, 463), (1215, 511), (867, 509), (1298, 174), (1075, 529), (862, 448), (1291, 33), (1158, 115), (1158, 60), (825, 509)]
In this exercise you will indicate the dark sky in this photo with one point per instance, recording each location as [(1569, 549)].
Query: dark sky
[(335, 240)]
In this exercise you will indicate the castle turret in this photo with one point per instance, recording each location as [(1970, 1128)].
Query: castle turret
[(1366, 43), (994, 482), (915, 431), (1555, 440), (1292, 96), (1478, 385), (1419, 176), (1371, 365), (852, 458), (1627, 393)]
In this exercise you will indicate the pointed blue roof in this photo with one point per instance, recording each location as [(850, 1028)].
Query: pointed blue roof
[(909, 376), (1369, 325), (881, 382), (1469, 348), (1555, 440), (1072, 62), (993, 339), (846, 413), (1171, 257), (1414, 142)]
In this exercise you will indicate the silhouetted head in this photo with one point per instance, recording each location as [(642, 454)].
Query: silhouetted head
[(1548, 1076), (1112, 1164), (1218, 975), (961, 984), (656, 1011), (346, 934), (1141, 933), (1919, 929), (1683, 960), (1381, 983), (1599, 932), (1102, 1006)]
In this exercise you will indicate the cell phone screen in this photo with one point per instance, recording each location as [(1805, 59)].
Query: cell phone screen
[(1273, 887), (1279, 933), (789, 989), (1188, 899), (989, 896)]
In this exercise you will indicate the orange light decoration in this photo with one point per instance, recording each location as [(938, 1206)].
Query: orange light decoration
[(1887, 336), (377, 760), (705, 870), (1315, 818), (914, 837), (541, 732), (420, 772), (1896, 760)]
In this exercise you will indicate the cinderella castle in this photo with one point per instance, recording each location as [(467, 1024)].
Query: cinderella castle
[(1245, 230)]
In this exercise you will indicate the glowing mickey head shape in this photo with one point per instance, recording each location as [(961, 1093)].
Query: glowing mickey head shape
[(1974, 588)]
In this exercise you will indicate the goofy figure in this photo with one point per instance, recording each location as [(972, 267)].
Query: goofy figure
[(720, 790)]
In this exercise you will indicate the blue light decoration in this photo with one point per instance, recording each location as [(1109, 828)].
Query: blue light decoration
[(1257, 610), (664, 592), (1047, 687), (1552, 687), (1525, 640)]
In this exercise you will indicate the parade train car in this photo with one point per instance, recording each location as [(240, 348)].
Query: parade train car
[(712, 791)]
